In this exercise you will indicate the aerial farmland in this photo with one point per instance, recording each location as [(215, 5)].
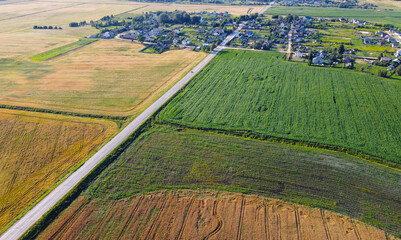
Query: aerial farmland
[(200, 120)]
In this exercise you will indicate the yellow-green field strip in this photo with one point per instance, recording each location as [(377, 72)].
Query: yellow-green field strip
[(62, 50)]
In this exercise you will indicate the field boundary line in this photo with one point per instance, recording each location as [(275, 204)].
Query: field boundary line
[(64, 53), (265, 137), (64, 113)]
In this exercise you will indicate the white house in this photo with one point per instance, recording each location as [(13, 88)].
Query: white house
[(185, 42), (318, 60), (298, 54), (398, 53)]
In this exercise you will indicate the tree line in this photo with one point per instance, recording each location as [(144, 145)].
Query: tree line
[(46, 27)]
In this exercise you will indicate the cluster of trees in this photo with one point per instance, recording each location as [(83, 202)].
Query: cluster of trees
[(246, 17), (46, 27), (177, 17), (77, 24), (287, 19)]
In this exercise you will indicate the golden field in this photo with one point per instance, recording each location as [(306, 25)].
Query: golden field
[(203, 215), (38, 149), (108, 77)]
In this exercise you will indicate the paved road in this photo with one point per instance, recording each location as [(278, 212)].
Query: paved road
[(265, 8), (290, 33), (256, 50), (32, 216)]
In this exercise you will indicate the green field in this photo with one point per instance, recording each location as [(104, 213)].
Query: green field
[(379, 16), (263, 94), (63, 49), (171, 158)]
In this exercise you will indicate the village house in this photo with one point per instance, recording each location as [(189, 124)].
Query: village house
[(298, 54), (318, 60), (385, 59)]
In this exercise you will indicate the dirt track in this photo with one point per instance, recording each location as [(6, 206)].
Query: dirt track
[(203, 215)]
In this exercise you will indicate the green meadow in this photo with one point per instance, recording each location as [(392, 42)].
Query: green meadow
[(261, 93)]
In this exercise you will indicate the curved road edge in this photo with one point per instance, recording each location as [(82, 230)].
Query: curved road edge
[(19, 228)]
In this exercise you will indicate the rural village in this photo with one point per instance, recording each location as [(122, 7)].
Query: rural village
[(216, 119), (339, 43)]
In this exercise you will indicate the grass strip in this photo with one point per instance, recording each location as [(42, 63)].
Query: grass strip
[(62, 50)]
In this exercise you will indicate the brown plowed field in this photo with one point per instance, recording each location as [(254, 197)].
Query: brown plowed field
[(203, 215), (36, 149)]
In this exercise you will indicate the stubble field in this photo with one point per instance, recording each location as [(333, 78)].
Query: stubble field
[(262, 93), (37, 149), (108, 77), (204, 215)]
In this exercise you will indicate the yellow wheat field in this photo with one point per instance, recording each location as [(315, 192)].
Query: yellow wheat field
[(37, 149)]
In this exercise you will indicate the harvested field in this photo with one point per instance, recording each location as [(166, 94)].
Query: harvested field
[(261, 93), (203, 215), (108, 77), (36, 150)]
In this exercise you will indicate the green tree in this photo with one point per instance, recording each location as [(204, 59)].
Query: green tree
[(341, 49), (164, 18), (398, 70), (382, 73), (141, 38)]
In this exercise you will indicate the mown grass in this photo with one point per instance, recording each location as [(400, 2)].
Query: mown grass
[(173, 158), (378, 16), (263, 94), (63, 49)]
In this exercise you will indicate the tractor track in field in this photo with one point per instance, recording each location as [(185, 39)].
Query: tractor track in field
[(184, 222), (358, 235), (241, 218), (298, 223), (103, 223), (219, 219), (131, 216), (22, 156), (278, 222), (267, 232), (56, 142), (60, 231), (48, 10), (326, 227), (156, 219)]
